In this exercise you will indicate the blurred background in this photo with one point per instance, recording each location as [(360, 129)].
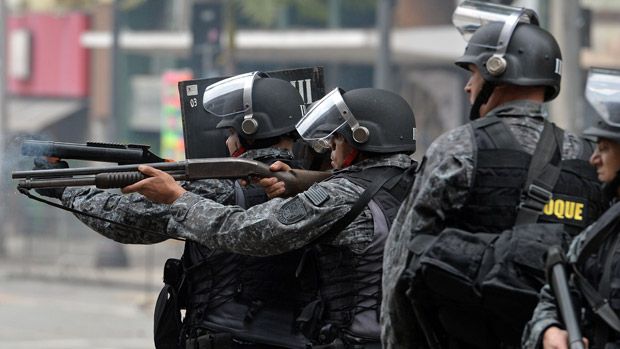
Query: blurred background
[(107, 71)]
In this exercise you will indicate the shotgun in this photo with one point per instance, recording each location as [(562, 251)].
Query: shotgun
[(296, 181)]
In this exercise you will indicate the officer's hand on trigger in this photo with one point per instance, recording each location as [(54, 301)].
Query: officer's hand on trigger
[(273, 186), (50, 163), (244, 182)]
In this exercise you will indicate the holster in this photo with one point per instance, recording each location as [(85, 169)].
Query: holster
[(167, 317)]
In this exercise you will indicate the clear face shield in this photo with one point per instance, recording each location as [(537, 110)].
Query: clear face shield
[(603, 93), (327, 116), (233, 96), (471, 15)]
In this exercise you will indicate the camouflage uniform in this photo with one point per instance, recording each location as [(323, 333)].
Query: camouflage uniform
[(339, 310), (220, 305), (280, 225), (444, 185), (135, 210)]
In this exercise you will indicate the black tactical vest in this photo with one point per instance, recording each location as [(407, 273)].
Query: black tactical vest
[(254, 299), (499, 178), (477, 289), (347, 304)]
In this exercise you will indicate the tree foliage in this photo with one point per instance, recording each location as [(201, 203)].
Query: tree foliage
[(266, 13)]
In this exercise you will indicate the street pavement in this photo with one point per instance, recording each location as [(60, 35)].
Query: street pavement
[(75, 305), (38, 314)]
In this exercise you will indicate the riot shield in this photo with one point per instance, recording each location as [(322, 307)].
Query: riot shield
[(203, 139)]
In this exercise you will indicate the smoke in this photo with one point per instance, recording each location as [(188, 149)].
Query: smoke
[(12, 160)]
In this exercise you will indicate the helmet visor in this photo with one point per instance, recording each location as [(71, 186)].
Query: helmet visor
[(603, 93), (231, 96), (471, 15), (324, 118)]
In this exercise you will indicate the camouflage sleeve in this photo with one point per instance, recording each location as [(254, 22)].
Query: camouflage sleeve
[(443, 184), (395, 306), (273, 227), (135, 210), (546, 313)]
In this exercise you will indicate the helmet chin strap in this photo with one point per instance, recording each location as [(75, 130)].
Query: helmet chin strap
[(481, 99), (350, 158), (241, 148)]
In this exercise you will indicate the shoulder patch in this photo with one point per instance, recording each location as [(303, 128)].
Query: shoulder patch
[(317, 195), (291, 212)]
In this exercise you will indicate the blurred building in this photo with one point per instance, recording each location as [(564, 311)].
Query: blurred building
[(47, 78), (62, 85), (59, 61), (337, 34)]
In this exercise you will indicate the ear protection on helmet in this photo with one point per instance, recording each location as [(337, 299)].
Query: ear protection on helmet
[(471, 15), (371, 120), (508, 47), (255, 105)]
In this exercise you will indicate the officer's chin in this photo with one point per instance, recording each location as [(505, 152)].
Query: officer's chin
[(611, 188)]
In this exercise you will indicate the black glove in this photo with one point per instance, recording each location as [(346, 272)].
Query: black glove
[(41, 163)]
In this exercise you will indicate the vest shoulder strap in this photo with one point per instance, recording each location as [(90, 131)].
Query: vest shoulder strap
[(390, 176), (492, 133), (599, 232), (542, 174)]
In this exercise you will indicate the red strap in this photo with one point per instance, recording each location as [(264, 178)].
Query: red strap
[(348, 160), (237, 153)]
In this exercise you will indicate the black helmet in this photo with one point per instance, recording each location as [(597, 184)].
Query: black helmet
[(532, 57), (372, 120), (603, 93), (603, 128), (255, 105)]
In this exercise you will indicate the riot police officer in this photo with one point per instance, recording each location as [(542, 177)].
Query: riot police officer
[(230, 300), (341, 222), (474, 179), (594, 252)]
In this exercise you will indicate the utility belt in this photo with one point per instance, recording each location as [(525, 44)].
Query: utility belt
[(613, 345), (339, 344), (225, 341), (331, 336), (210, 341)]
